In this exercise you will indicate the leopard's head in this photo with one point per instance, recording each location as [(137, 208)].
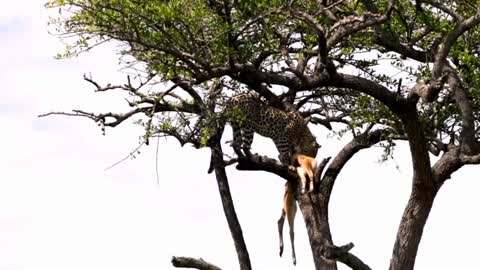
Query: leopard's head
[(310, 146)]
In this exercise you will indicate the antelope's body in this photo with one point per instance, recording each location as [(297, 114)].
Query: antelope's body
[(306, 168)]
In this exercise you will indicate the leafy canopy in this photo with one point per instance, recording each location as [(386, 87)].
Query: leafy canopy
[(212, 48)]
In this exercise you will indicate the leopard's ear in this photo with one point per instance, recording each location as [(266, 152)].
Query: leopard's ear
[(307, 119)]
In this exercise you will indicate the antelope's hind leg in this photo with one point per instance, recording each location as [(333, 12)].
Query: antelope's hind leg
[(291, 211), (303, 179), (291, 224), (292, 241), (311, 179), (280, 223)]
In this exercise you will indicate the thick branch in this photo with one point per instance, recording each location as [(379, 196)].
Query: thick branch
[(343, 255), (186, 262), (362, 141), (447, 43), (353, 24), (448, 163), (189, 89), (371, 88), (466, 159), (463, 102), (327, 120), (264, 163), (391, 42)]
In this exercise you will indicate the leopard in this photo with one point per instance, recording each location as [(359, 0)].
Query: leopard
[(247, 113)]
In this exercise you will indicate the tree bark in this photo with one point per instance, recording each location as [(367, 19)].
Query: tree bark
[(411, 228), (316, 220), (228, 207), (186, 262), (314, 207), (422, 195)]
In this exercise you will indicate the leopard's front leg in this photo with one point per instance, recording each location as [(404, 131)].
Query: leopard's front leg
[(283, 150), (247, 136), (237, 139)]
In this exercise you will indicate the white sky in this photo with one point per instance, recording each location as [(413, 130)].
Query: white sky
[(59, 209)]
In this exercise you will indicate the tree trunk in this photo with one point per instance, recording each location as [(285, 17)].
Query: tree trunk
[(314, 207), (316, 220), (422, 196), (229, 209), (411, 228)]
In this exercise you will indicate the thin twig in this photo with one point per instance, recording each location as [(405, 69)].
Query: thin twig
[(126, 157), (156, 160)]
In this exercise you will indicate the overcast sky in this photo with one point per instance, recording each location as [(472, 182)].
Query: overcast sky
[(60, 209)]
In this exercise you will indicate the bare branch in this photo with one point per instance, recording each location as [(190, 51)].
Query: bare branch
[(118, 118), (467, 159), (187, 262)]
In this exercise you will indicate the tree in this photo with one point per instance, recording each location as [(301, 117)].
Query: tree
[(323, 59)]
